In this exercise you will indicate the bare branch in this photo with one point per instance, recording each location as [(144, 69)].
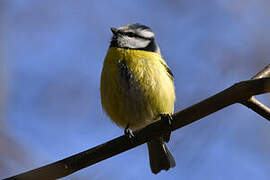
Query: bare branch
[(234, 94), (264, 73), (237, 93), (253, 103), (258, 107)]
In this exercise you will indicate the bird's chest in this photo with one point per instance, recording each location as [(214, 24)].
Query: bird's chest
[(130, 90), (133, 81), (135, 84)]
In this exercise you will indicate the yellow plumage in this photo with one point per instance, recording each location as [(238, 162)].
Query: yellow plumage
[(136, 87)]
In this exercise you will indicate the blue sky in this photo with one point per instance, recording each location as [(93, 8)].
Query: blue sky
[(53, 53)]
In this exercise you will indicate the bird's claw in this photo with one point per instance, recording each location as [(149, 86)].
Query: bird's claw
[(129, 132), (169, 119)]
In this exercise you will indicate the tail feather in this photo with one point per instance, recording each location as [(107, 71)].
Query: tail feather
[(159, 156)]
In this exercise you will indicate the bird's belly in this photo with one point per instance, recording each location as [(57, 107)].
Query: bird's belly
[(136, 103), (128, 104), (134, 93), (137, 110)]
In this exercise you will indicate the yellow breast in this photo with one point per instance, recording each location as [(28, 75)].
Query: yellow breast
[(135, 87)]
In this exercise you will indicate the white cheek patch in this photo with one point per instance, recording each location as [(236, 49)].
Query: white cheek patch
[(146, 33), (139, 43), (133, 42)]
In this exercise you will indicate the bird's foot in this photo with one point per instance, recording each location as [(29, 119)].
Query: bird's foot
[(129, 132), (169, 119)]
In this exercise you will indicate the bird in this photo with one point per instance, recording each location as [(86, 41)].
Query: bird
[(137, 87)]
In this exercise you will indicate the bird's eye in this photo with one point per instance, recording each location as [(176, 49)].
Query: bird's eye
[(130, 34)]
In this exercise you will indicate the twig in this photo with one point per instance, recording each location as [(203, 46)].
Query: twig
[(253, 103), (263, 73), (258, 107), (237, 93)]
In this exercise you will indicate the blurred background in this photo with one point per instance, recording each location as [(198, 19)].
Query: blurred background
[(51, 56)]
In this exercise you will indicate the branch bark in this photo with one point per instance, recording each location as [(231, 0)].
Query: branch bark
[(253, 103), (238, 93)]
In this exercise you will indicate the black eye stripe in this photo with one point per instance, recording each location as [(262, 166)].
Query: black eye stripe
[(131, 34)]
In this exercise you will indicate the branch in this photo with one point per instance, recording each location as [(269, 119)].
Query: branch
[(264, 73), (253, 103), (258, 107), (237, 93)]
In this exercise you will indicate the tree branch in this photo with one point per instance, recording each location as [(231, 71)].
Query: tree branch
[(237, 93), (258, 107), (263, 73), (253, 103)]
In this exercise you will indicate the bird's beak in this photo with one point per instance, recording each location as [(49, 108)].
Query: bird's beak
[(114, 30)]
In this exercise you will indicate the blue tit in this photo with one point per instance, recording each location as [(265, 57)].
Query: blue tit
[(137, 86)]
